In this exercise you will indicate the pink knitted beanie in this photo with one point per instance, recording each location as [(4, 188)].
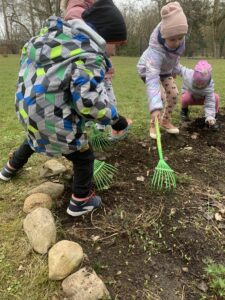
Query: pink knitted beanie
[(202, 74), (174, 21)]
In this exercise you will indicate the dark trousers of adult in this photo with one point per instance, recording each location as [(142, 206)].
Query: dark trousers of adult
[(83, 164)]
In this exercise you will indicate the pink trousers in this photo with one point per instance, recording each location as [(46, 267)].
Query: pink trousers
[(187, 99)]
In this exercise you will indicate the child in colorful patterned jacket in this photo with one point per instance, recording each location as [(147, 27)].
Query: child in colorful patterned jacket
[(73, 9), (158, 65), (60, 87), (198, 89)]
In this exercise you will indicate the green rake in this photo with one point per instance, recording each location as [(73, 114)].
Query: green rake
[(99, 139), (164, 176), (103, 174)]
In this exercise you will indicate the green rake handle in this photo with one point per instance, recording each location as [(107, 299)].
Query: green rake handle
[(158, 138)]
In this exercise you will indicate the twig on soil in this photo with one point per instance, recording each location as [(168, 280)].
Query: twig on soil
[(213, 197), (218, 151), (109, 228), (218, 231), (147, 218), (183, 294), (108, 237)]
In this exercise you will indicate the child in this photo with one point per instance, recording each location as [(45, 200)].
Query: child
[(60, 86), (159, 62), (73, 9), (198, 89)]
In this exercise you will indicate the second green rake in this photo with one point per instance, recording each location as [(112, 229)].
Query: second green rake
[(99, 139), (103, 174), (164, 176)]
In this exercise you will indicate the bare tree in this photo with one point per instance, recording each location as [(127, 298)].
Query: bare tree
[(4, 5), (218, 20)]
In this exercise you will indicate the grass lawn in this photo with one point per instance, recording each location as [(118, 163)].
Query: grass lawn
[(24, 274)]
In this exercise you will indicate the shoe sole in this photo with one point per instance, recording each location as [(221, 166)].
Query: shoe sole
[(170, 131), (153, 136), (77, 214), (4, 178)]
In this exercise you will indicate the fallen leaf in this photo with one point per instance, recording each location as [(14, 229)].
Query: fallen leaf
[(194, 136), (141, 178), (208, 216), (185, 270), (95, 238), (173, 211), (218, 217), (202, 287)]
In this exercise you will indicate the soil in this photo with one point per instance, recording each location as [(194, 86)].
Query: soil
[(146, 244)]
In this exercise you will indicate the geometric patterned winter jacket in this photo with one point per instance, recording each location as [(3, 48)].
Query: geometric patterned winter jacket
[(61, 85)]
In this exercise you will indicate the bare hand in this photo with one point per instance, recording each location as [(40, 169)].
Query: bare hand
[(211, 122), (154, 114)]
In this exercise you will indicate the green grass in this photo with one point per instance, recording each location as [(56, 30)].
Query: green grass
[(216, 276), (23, 274)]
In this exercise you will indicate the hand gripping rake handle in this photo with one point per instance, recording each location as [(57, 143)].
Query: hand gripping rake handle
[(158, 138)]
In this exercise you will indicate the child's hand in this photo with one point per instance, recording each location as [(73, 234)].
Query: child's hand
[(154, 114), (120, 134), (210, 121)]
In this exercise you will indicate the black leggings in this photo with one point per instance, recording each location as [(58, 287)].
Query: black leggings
[(83, 164)]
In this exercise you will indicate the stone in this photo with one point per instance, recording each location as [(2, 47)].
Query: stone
[(64, 258), (52, 167), (40, 228), (85, 285), (54, 190), (37, 200)]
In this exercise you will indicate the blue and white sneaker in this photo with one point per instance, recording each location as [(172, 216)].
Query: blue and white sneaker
[(78, 208), (7, 173)]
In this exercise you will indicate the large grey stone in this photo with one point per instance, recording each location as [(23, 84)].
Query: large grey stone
[(52, 167), (39, 226), (54, 190), (85, 285)]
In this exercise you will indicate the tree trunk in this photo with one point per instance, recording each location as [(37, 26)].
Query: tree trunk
[(31, 18), (5, 19)]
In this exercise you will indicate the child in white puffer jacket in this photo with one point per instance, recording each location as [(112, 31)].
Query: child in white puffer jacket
[(158, 65)]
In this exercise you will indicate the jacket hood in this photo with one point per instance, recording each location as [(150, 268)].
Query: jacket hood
[(60, 40)]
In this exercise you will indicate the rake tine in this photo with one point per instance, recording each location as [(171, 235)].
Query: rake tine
[(103, 174)]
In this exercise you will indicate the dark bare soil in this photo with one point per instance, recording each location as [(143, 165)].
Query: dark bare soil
[(151, 245)]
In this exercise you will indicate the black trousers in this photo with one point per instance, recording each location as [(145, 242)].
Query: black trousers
[(83, 165)]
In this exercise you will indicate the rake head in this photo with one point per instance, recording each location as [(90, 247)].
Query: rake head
[(163, 177), (99, 139), (103, 174)]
